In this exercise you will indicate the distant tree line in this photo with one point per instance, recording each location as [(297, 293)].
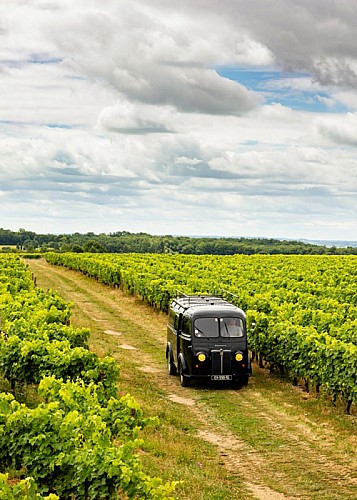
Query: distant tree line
[(126, 242)]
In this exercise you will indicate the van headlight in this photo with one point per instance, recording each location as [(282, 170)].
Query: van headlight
[(201, 357), (239, 356)]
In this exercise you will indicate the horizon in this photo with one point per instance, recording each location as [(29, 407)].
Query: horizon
[(348, 242)]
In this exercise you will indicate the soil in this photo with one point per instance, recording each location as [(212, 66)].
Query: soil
[(301, 448)]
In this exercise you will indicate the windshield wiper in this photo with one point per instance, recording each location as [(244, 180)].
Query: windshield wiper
[(200, 331)]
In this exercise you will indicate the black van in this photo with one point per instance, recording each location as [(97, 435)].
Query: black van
[(207, 339)]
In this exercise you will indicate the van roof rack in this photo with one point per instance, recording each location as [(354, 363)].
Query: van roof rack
[(187, 301)]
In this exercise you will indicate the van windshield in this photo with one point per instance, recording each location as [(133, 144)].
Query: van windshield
[(206, 327), (231, 327), (215, 327)]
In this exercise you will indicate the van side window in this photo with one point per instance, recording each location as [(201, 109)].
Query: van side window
[(171, 318), (176, 322), (186, 325), (206, 327)]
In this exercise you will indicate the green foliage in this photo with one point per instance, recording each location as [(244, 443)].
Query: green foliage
[(28, 361), (25, 489), (123, 416), (73, 446)]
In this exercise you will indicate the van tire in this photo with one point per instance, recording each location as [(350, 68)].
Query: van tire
[(171, 368), (184, 379)]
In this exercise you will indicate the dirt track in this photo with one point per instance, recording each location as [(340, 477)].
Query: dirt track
[(290, 448)]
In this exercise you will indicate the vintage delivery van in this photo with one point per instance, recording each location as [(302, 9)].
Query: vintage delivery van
[(207, 339)]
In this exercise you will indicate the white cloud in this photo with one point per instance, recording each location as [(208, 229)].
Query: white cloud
[(346, 98), (113, 116), (148, 63), (340, 130), (306, 36), (127, 118)]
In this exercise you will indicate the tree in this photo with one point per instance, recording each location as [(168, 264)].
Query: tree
[(93, 246)]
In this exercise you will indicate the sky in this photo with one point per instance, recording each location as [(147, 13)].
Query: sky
[(196, 117)]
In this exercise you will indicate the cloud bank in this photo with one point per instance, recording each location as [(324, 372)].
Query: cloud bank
[(232, 118)]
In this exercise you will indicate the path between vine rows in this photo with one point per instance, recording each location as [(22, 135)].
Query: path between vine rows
[(320, 452)]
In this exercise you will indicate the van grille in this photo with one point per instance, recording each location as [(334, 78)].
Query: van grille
[(221, 362)]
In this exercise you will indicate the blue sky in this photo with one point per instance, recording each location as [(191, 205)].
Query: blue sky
[(226, 118), (293, 90)]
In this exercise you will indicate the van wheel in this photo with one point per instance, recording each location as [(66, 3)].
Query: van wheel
[(184, 379), (171, 368)]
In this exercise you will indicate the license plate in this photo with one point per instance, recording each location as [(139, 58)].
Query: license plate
[(221, 377)]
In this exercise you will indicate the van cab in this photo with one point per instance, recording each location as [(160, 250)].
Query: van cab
[(207, 340)]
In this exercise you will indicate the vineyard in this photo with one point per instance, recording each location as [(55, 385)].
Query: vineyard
[(301, 310), (80, 438)]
